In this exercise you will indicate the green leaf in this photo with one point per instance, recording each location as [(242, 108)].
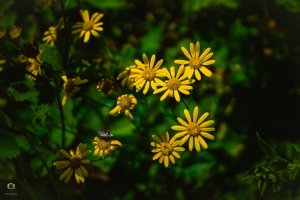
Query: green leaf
[(9, 168), (263, 188), (9, 147), (107, 4), (22, 91), (266, 148), (51, 56), (151, 41)]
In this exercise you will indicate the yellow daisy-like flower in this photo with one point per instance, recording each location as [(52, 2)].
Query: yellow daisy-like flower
[(35, 66), (71, 86), (196, 63), (105, 147), (194, 129), (50, 35), (15, 32), (126, 81), (125, 103), (166, 149), (88, 26), (175, 84), (106, 86), (146, 73), (75, 164)]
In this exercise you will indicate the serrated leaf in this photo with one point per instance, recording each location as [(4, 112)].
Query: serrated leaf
[(266, 148), (9, 147), (22, 91)]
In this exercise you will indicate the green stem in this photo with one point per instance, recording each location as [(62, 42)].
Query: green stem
[(62, 120), (66, 39), (44, 164)]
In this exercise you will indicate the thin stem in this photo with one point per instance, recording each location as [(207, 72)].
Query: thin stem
[(44, 164), (62, 120), (66, 39)]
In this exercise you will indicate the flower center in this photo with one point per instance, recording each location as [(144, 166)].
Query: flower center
[(149, 74), (173, 84), (69, 87), (125, 102), (103, 144), (193, 129), (195, 63), (75, 162), (88, 26), (166, 148)]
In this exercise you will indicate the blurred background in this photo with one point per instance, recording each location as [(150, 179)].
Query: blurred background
[(255, 88)]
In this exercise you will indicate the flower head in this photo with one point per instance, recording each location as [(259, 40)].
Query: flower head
[(75, 164), (166, 149), (196, 63), (194, 129), (176, 83), (35, 66), (71, 86), (125, 103), (106, 86), (22, 58), (105, 146), (15, 32), (88, 26), (146, 73), (50, 35), (125, 77)]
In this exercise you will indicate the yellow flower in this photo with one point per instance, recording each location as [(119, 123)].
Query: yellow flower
[(146, 73), (125, 103), (88, 26), (194, 129), (105, 147), (166, 149), (75, 164), (197, 63), (22, 58), (175, 84), (35, 66), (71, 86), (125, 77), (2, 33), (50, 35), (15, 31)]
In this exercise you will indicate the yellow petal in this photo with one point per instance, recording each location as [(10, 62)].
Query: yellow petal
[(182, 122), (207, 135), (184, 139), (207, 123), (178, 128), (177, 96), (174, 153), (198, 75), (202, 118), (191, 143), (197, 49), (87, 36), (181, 134), (195, 114), (204, 53), (197, 145), (186, 53), (166, 161), (146, 87), (192, 50), (202, 142), (84, 171), (187, 115), (206, 71), (209, 62), (156, 156), (164, 95), (172, 159)]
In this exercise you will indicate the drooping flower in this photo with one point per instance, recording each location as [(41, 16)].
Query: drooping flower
[(88, 26), (194, 129), (175, 84), (195, 63), (75, 164), (125, 103), (15, 32), (166, 149), (71, 86), (126, 81), (105, 146), (50, 35), (146, 73), (35, 66)]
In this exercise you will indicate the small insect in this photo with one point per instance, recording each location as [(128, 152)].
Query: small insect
[(104, 133)]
